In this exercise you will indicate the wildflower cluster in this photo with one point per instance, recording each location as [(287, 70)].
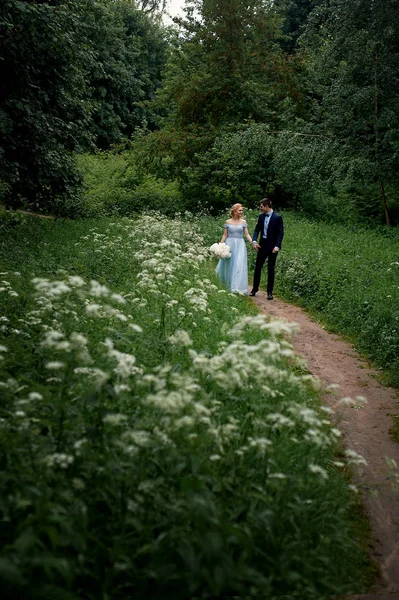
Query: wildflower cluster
[(145, 410)]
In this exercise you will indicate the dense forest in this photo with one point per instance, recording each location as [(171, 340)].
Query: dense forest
[(298, 99)]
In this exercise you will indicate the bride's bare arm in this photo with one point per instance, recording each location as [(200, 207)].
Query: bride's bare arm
[(247, 235), (224, 236)]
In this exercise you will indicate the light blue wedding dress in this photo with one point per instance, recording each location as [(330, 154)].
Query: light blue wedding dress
[(233, 271)]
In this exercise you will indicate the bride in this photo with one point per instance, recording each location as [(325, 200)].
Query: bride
[(233, 271)]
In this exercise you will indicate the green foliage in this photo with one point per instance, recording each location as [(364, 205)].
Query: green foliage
[(350, 280), (352, 59), (295, 13), (73, 73), (316, 113), (115, 184), (238, 168), (314, 173), (125, 70), (154, 441), (224, 67), (43, 115)]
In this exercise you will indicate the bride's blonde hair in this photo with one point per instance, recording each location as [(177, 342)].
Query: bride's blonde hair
[(234, 208)]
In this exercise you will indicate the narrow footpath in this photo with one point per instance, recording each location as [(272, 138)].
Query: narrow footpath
[(365, 427)]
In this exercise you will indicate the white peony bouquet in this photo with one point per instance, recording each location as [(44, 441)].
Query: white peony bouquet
[(220, 250)]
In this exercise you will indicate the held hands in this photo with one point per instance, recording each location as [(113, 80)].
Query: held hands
[(256, 247)]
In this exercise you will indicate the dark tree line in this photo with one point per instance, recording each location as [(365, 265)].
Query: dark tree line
[(294, 98), (74, 74)]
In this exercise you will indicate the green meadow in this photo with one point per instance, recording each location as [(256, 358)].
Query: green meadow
[(158, 435), (349, 278)]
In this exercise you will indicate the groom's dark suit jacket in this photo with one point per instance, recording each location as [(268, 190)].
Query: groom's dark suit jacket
[(275, 232)]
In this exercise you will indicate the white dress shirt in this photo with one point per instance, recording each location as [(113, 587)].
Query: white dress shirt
[(266, 225)]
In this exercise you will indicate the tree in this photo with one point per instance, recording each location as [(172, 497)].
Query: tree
[(295, 14), (353, 53), (153, 7), (228, 65), (43, 114), (225, 67), (73, 73), (125, 70)]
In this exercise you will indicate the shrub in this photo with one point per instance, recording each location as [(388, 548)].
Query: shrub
[(114, 185)]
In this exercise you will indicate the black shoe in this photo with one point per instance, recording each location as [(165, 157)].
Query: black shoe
[(269, 296), (252, 293)]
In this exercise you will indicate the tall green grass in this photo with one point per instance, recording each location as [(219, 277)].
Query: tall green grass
[(347, 276), (156, 437), (350, 279)]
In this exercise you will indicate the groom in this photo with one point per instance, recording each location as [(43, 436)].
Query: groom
[(271, 230)]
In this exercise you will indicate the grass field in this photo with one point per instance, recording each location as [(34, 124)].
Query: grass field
[(158, 438), (348, 278)]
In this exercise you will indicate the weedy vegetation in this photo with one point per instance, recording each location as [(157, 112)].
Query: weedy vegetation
[(155, 439), (349, 278)]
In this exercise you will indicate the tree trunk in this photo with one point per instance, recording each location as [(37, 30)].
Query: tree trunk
[(377, 148), (384, 203)]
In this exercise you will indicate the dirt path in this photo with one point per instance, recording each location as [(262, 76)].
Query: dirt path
[(365, 428)]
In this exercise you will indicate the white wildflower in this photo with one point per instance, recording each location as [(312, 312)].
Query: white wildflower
[(354, 458), (93, 309), (140, 438), (122, 387), (336, 432), (63, 461), (118, 298), (260, 443), (76, 281), (55, 365), (180, 338), (280, 420), (99, 376), (78, 340), (277, 476), (125, 363), (215, 457), (98, 290), (353, 488), (114, 419), (78, 445), (347, 401), (318, 471)]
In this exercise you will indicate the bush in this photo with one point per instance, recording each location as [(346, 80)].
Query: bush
[(114, 185)]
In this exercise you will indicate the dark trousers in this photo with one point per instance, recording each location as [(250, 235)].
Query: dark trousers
[(271, 263)]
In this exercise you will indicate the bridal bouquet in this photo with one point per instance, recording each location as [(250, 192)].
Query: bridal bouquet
[(220, 250)]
